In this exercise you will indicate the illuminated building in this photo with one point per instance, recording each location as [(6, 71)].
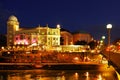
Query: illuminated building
[(44, 36), (70, 39), (67, 37), (81, 36), (40, 37)]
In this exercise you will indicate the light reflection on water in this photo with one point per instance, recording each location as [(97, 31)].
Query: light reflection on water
[(57, 75)]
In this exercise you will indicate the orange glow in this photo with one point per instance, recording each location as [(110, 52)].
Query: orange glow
[(76, 76), (87, 74), (107, 49), (76, 58)]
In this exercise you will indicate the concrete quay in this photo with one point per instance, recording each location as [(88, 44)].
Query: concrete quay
[(114, 59), (55, 66)]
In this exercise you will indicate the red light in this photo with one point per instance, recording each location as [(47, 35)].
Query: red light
[(108, 49)]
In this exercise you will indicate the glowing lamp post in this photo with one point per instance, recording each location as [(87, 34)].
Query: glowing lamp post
[(102, 41), (109, 27), (103, 37), (58, 26)]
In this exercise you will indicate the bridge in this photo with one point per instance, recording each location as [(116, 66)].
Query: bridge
[(50, 64)]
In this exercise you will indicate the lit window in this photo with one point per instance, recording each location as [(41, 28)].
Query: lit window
[(10, 36), (10, 31), (10, 40), (43, 33)]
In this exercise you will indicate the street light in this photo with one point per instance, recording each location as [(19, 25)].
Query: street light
[(102, 42), (103, 37), (58, 25), (109, 27)]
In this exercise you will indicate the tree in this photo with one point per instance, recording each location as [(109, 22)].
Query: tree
[(92, 44), (3, 40), (81, 42)]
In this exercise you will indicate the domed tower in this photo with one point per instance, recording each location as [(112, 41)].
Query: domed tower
[(12, 27)]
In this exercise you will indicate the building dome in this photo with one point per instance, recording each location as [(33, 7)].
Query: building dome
[(12, 18)]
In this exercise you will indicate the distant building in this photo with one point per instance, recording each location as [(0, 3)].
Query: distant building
[(82, 36), (71, 38), (31, 36), (67, 37)]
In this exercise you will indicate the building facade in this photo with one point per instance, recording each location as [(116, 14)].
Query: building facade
[(71, 39), (82, 37), (44, 38), (31, 36), (67, 38)]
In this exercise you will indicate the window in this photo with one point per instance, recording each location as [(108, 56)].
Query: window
[(16, 38), (10, 31), (10, 36), (53, 32), (48, 32), (53, 38), (48, 38), (22, 37), (43, 33), (28, 38), (48, 43), (10, 40)]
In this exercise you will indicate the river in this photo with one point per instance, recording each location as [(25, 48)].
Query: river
[(38, 74)]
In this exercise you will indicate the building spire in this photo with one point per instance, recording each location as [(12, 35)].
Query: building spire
[(39, 25), (46, 25)]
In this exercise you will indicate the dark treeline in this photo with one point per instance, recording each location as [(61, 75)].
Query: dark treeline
[(3, 40)]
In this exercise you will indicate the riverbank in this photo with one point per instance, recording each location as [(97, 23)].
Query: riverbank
[(53, 66), (114, 59)]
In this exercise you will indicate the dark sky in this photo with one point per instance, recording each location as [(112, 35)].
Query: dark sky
[(90, 16)]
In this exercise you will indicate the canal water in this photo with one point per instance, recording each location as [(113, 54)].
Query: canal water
[(39, 74)]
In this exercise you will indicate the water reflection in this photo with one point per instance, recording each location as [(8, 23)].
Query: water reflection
[(57, 75)]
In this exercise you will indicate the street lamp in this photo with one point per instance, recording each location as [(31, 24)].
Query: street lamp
[(58, 25), (103, 37), (102, 42), (109, 27)]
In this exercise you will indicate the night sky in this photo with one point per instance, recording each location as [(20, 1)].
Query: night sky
[(90, 16)]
